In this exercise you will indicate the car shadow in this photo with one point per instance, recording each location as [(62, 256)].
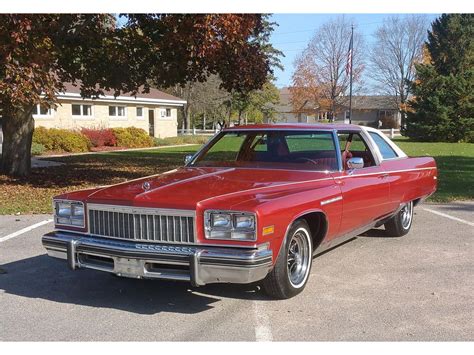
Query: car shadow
[(375, 233), (46, 278)]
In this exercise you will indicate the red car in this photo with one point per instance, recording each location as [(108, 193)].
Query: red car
[(256, 203)]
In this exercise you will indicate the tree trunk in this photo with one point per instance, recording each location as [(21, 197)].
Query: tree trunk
[(187, 118), (240, 117), (18, 127), (403, 114)]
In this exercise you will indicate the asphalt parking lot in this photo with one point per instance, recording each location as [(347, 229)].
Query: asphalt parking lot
[(418, 287)]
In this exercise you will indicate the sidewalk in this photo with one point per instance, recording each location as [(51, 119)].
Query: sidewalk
[(45, 157)]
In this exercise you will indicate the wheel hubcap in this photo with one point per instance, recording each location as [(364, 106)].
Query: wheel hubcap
[(406, 215), (298, 258)]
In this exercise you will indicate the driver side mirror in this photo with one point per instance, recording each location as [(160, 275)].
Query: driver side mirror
[(355, 163), (187, 159)]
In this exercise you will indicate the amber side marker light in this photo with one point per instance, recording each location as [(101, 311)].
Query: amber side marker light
[(268, 230)]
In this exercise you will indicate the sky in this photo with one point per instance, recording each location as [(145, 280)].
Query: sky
[(295, 30)]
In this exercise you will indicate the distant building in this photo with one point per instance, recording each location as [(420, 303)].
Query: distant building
[(155, 112), (369, 110)]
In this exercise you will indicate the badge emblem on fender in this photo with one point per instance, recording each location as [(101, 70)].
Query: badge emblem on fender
[(146, 186)]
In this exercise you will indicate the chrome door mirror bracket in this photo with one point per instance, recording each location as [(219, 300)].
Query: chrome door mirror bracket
[(187, 159)]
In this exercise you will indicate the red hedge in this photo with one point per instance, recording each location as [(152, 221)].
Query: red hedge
[(100, 137)]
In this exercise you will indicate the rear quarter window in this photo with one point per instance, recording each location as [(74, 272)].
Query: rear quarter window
[(385, 149)]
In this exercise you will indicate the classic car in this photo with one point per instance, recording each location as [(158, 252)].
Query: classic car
[(254, 204)]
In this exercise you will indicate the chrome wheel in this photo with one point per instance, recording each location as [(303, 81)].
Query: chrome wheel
[(406, 215), (299, 258)]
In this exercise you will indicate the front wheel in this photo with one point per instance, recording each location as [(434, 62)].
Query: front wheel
[(400, 224), (290, 273)]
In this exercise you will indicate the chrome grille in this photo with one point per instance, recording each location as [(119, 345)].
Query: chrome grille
[(142, 224)]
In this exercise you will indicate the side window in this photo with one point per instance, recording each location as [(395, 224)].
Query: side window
[(356, 148), (385, 149), (309, 142)]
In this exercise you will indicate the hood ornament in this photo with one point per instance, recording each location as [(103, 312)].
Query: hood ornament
[(146, 186)]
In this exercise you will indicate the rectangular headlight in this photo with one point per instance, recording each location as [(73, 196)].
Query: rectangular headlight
[(230, 225), (69, 213)]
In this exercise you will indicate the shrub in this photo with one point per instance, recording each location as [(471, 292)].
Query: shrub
[(61, 140), (100, 137), (37, 149), (132, 137)]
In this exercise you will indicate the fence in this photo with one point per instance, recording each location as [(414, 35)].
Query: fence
[(197, 132), (392, 132)]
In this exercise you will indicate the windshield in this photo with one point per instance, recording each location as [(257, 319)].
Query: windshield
[(277, 149)]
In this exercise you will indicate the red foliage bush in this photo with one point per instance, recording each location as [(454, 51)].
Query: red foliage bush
[(100, 137)]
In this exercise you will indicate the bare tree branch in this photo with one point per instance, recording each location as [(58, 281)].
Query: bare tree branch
[(398, 47), (320, 75)]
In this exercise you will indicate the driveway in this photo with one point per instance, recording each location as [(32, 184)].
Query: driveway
[(418, 287)]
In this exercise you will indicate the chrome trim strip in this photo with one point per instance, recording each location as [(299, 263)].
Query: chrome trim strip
[(338, 150), (383, 172), (141, 210), (331, 200)]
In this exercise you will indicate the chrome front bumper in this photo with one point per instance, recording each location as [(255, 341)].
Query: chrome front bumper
[(199, 265)]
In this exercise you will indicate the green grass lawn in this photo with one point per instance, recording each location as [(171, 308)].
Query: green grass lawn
[(33, 194), (455, 163)]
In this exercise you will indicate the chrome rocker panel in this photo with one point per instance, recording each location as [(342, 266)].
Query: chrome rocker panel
[(196, 264)]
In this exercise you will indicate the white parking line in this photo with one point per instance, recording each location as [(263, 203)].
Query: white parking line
[(24, 230), (448, 216), (263, 331)]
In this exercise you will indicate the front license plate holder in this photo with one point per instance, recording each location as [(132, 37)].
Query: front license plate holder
[(129, 267)]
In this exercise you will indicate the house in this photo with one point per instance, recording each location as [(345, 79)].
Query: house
[(284, 111), (155, 112), (369, 110)]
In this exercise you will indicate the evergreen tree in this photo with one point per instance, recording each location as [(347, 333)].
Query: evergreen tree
[(442, 108)]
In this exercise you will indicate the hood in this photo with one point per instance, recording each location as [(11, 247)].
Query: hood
[(185, 187)]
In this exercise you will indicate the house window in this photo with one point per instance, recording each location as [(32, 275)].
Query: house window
[(166, 112), (117, 111), (81, 110), (140, 112), (41, 111)]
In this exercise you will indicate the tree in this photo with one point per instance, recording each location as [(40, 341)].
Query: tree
[(258, 104), (320, 76), (398, 47), (203, 92), (442, 108), (39, 53), (206, 100)]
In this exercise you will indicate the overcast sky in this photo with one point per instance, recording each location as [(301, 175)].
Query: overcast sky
[(294, 32)]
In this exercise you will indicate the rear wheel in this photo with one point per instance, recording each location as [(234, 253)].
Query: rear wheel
[(290, 273), (400, 224)]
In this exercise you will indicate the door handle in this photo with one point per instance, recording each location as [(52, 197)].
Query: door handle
[(383, 176)]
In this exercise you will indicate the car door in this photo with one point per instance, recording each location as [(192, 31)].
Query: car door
[(365, 191)]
